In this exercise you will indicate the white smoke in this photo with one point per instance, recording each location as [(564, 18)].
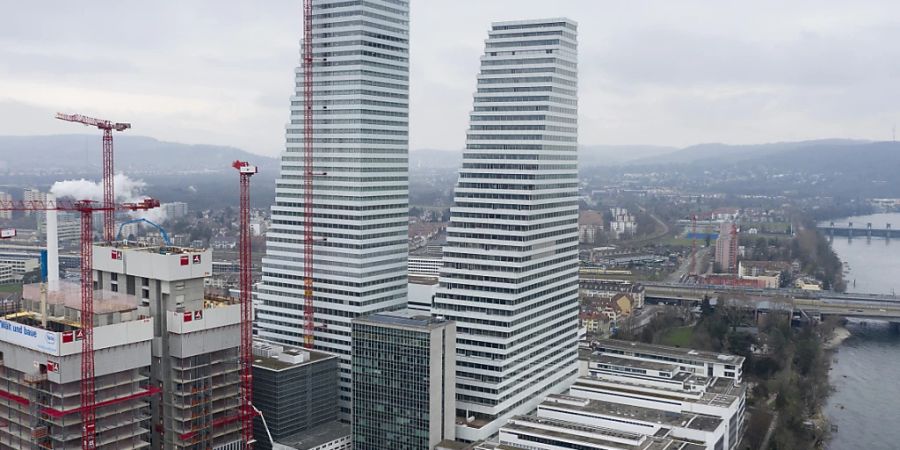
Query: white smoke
[(127, 189)]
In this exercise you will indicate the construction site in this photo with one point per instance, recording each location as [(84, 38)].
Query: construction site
[(166, 357), (136, 355)]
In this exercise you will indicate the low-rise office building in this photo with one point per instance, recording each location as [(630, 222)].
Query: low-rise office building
[(709, 364), (296, 390), (404, 368)]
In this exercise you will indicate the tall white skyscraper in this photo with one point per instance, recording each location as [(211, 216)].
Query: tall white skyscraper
[(510, 273), (360, 186)]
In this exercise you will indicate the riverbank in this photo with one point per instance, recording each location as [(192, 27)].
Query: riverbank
[(838, 337)]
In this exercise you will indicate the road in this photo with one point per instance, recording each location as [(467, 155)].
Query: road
[(682, 272)]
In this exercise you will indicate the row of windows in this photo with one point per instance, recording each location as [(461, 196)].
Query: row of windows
[(327, 92), (366, 208), (384, 37), (399, 12), (389, 57), (333, 170), (524, 127), (354, 82), (515, 167), (346, 159), (523, 70), (517, 156), (351, 24), (509, 118), (364, 13), (362, 42)]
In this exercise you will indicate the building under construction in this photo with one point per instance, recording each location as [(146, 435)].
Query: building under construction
[(40, 377), (195, 342), (166, 357)]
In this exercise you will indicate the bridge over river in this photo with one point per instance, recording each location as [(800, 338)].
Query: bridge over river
[(812, 303), (852, 230)]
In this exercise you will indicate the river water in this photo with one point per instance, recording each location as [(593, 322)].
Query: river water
[(866, 367)]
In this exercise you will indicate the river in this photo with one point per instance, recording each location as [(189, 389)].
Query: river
[(866, 366)]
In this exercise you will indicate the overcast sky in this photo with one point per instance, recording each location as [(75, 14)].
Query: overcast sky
[(651, 72)]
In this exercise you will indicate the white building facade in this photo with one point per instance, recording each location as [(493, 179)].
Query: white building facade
[(360, 182), (510, 272)]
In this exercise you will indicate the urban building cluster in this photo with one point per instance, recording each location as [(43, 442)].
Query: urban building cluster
[(470, 344)]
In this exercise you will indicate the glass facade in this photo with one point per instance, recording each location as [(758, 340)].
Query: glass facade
[(403, 367), (391, 388)]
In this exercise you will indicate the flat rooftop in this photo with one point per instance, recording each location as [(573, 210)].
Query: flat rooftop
[(276, 364), (162, 249), (404, 318), (675, 352), (314, 437), (577, 431), (663, 418), (634, 363)]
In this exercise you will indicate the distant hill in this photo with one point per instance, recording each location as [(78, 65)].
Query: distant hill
[(607, 155), (589, 155), (133, 154), (716, 153)]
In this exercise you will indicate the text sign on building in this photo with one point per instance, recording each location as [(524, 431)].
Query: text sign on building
[(29, 337), (116, 254), (7, 233)]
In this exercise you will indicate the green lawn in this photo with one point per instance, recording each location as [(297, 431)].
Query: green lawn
[(7, 288), (677, 337)]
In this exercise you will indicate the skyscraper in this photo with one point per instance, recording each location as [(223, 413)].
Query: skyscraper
[(510, 273), (360, 186)]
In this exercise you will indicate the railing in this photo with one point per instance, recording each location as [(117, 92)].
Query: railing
[(35, 377)]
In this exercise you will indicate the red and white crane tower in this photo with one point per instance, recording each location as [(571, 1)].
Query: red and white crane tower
[(109, 196), (246, 285), (692, 270), (308, 311), (87, 209)]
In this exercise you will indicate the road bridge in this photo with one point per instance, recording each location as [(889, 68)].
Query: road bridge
[(813, 303)]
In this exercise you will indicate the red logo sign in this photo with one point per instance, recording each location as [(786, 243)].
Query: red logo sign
[(188, 316), (184, 260), (116, 254), (196, 259), (79, 334), (52, 366), (198, 314), (68, 336)]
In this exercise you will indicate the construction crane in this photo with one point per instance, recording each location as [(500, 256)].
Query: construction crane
[(87, 208), (693, 266), (308, 310), (162, 231), (245, 285), (733, 250), (109, 196)]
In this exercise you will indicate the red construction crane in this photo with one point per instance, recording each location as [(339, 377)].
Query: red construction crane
[(109, 196), (87, 209), (733, 251), (308, 312), (693, 266), (246, 285)]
